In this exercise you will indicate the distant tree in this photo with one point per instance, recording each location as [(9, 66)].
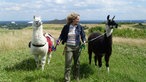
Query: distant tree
[(140, 24)]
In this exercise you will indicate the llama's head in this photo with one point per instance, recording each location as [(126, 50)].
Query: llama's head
[(37, 21), (110, 25)]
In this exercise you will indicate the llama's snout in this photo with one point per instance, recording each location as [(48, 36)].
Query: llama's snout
[(116, 26)]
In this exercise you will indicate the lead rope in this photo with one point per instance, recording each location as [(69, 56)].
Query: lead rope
[(94, 38)]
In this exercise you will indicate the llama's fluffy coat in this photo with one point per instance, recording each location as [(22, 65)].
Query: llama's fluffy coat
[(101, 45), (39, 44)]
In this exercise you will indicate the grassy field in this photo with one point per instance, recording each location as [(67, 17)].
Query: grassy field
[(127, 63)]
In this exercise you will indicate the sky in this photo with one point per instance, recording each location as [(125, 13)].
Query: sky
[(59, 9)]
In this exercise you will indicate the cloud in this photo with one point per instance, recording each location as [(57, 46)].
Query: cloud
[(16, 8), (88, 9), (60, 1)]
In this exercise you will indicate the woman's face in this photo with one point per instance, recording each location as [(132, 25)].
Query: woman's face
[(75, 21)]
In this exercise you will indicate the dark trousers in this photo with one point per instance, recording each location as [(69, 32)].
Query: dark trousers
[(71, 52)]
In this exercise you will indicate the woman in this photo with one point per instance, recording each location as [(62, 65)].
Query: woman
[(71, 35)]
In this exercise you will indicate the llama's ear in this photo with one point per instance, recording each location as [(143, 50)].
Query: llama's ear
[(108, 17), (113, 18)]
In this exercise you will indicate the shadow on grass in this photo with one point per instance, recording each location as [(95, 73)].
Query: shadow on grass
[(43, 77), (25, 65), (86, 70)]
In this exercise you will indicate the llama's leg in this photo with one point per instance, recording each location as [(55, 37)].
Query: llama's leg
[(95, 60), (99, 60), (37, 60), (90, 58), (49, 57), (43, 61), (90, 55), (107, 57)]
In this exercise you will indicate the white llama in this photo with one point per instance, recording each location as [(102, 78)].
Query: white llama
[(39, 44)]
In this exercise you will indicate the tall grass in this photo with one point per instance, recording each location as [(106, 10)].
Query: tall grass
[(14, 39)]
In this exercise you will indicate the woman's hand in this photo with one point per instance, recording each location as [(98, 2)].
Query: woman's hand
[(58, 42)]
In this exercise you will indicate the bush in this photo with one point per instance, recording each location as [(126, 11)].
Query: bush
[(96, 29), (129, 33), (140, 26)]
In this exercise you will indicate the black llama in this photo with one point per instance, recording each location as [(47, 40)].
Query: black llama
[(102, 44)]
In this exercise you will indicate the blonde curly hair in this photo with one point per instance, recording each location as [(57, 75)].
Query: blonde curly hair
[(72, 16)]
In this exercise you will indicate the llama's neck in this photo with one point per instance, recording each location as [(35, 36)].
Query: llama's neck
[(38, 37), (108, 31), (38, 30)]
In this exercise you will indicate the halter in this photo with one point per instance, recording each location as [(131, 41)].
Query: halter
[(36, 45), (109, 22)]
